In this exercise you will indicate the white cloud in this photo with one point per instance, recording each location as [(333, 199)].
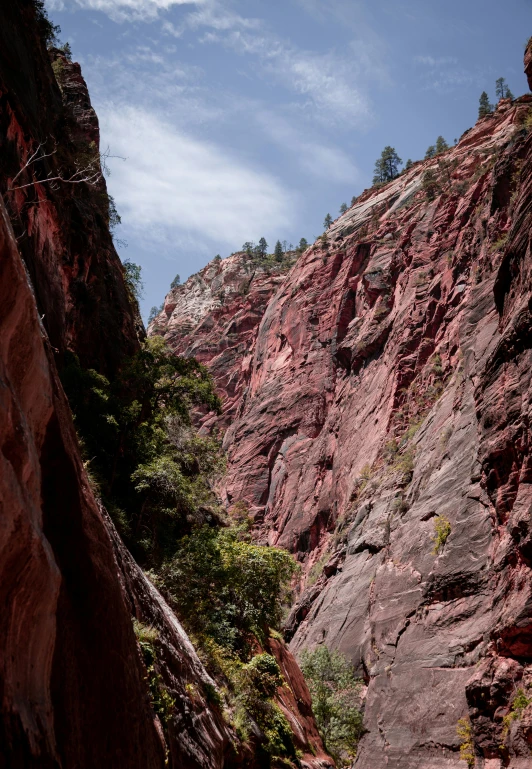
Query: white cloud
[(175, 187), (444, 74), (122, 10), (325, 80), (314, 157)]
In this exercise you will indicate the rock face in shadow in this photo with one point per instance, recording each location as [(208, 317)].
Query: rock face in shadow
[(383, 436), (75, 691), (69, 655), (61, 229)]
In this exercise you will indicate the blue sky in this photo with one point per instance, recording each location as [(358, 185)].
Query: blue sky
[(244, 118)]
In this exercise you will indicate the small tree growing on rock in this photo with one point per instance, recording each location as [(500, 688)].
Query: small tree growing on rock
[(502, 90), (343, 208), (484, 106), (387, 166), (335, 693), (262, 248), (441, 145), (278, 251), (327, 221), (176, 282)]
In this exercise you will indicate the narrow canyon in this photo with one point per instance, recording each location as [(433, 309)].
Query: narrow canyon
[(374, 416)]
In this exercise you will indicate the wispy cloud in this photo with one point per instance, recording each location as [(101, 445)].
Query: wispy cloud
[(176, 186), (122, 10), (326, 81), (445, 74), (316, 158)]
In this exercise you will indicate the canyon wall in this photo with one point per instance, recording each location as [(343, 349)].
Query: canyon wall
[(379, 429), (75, 688)]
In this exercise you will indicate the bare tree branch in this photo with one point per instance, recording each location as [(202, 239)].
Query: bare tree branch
[(91, 173)]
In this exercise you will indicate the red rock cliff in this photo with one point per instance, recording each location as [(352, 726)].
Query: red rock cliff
[(380, 431), (74, 689)]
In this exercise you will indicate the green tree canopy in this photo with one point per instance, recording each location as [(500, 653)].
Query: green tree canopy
[(335, 693), (441, 145), (133, 279), (387, 166), (327, 221), (262, 248), (431, 152), (176, 282), (502, 91), (278, 251), (303, 245), (484, 106), (408, 164), (234, 588), (343, 208), (154, 312)]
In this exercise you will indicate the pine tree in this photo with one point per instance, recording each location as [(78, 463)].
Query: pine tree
[(387, 166), (176, 281), (262, 248), (431, 151), (509, 94), (327, 221), (408, 164), (500, 88), (484, 106), (303, 245), (278, 251), (154, 312), (441, 145), (248, 247), (354, 200), (343, 208)]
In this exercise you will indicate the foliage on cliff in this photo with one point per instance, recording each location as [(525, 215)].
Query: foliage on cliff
[(335, 695), (153, 471)]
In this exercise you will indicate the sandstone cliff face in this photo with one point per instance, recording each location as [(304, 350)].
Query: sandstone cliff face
[(74, 687), (214, 317), (61, 229), (384, 397)]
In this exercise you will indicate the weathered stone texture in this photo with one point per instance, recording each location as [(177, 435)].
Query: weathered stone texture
[(388, 383)]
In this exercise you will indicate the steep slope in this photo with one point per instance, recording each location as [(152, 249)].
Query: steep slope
[(77, 687), (214, 317), (382, 435), (61, 228)]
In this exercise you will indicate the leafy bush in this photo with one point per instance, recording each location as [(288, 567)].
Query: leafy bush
[(144, 455), (235, 589), (519, 703), (335, 692), (133, 279), (47, 30), (442, 529), (467, 748)]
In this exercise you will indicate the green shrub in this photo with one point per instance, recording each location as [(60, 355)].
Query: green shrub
[(519, 703), (133, 279), (235, 589), (442, 529), (467, 747), (335, 692), (144, 455), (161, 701)]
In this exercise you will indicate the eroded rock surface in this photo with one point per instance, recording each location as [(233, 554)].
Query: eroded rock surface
[(75, 691), (383, 397)]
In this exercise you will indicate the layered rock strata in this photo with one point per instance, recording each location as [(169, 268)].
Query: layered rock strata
[(381, 433), (74, 687)]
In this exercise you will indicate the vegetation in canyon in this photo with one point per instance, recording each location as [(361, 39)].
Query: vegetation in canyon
[(336, 696)]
